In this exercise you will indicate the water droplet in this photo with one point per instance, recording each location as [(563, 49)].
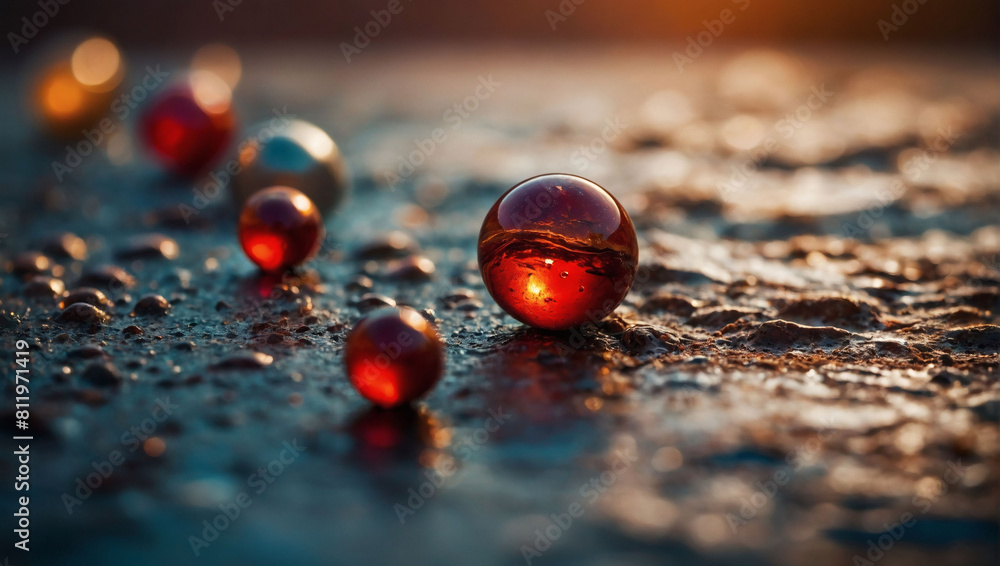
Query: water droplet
[(564, 274), (581, 288)]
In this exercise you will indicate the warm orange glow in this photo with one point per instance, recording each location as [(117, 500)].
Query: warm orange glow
[(154, 446), (381, 388), (266, 250), (536, 291), (317, 142), (380, 385), (302, 203), (77, 91), (211, 93), (61, 96), (413, 318), (97, 64), (220, 60), (247, 153)]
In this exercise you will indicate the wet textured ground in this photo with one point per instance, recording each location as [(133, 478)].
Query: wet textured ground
[(769, 393)]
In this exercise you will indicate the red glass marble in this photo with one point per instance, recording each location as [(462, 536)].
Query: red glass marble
[(557, 251), (280, 228), (393, 356), (190, 125)]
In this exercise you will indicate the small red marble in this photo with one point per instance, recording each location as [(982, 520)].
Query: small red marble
[(394, 356), (189, 126), (280, 228), (557, 251)]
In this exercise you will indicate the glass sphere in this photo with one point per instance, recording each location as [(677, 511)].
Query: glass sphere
[(293, 153), (394, 356), (557, 251), (280, 228)]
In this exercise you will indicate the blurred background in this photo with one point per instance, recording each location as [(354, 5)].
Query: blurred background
[(159, 23)]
